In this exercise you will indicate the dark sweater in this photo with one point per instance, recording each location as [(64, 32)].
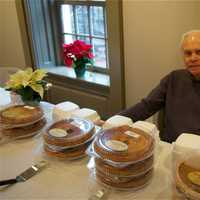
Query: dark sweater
[(179, 95)]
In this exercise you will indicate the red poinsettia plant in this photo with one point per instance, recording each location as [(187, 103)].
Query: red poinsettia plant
[(77, 54)]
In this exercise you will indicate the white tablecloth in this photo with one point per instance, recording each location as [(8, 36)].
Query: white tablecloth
[(71, 180), (64, 180)]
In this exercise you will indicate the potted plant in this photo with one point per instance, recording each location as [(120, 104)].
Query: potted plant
[(78, 55), (29, 84)]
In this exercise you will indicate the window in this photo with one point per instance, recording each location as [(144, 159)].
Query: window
[(49, 23), (85, 21)]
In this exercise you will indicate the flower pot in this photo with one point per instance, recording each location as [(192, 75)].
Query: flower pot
[(80, 70)]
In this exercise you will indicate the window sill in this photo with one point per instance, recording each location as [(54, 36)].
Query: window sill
[(90, 77)]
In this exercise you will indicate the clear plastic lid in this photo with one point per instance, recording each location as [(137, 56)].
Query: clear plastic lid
[(69, 132), (20, 115), (124, 144), (89, 140)]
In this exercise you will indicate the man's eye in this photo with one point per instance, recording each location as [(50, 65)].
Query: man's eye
[(187, 53)]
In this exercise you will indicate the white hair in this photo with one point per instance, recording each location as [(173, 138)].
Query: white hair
[(185, 35)]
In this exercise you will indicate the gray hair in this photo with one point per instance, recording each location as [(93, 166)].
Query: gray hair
[(185, 35)]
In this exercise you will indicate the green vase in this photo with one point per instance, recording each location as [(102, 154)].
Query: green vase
[(80, 70)]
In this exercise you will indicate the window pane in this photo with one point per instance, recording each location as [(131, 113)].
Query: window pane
[(82, 24), (99, 51), (85, 39), (69, 38), (97, 21), (67, 19)]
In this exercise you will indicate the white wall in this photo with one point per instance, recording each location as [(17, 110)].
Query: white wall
[(11, 50), (152, 31)]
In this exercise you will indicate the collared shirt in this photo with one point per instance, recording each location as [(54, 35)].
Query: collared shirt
[(179, 95)]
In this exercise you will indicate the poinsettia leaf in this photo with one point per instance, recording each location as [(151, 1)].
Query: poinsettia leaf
[(38, 88), (38, 75)]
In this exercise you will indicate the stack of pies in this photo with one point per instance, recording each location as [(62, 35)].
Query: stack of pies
[(21, 121), (124, 157), (187, 180), (68, 138)]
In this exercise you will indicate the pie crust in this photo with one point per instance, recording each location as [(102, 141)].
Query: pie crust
[(20, 115), (25, 131)]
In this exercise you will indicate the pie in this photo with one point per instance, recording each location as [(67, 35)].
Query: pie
[(134, 183), (20, 115), (25, 131), (69, 133), (124, 144), (129, 170), (188, 181), (69, 153)]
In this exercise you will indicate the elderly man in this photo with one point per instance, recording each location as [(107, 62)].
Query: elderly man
[(178, 94)]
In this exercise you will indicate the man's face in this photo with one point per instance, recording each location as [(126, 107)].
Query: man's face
[(191, 53)]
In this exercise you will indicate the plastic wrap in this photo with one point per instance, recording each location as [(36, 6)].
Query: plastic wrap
[(127, 166), (69, 132), (14, 129), (22, 132), (92, 153), (129, 146), (123, 183), (60, 148), (70, 152)]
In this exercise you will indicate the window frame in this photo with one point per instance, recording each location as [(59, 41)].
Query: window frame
[(56, 15)]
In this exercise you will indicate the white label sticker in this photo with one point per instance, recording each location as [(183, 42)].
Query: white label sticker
[(132, 134), (116, 145), (58, 132), (29, 107)]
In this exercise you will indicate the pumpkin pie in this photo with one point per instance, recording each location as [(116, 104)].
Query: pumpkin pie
[(127, 171), (69, 133), (25, 131), (69, 153), (188, 180), (122, 183), (20, 115), (124, 144)]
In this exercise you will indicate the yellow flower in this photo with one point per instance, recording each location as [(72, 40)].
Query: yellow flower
[(20, 78), (24, 78), (38, 75)]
